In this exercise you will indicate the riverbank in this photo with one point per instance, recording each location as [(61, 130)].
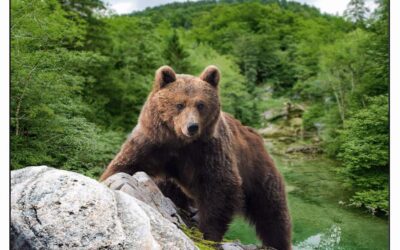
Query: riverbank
[(316, 196)]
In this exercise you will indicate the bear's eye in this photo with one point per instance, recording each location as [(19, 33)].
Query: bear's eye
[(200, 106), (180, 106)]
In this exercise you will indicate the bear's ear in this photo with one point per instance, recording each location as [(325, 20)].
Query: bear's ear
[(164, 76), (211, 75)]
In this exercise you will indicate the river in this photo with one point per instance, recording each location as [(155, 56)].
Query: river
[(320, 219)]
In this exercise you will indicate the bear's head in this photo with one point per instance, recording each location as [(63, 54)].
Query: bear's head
[(189, 106)]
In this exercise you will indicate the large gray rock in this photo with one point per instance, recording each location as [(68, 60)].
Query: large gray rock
[(305, 149), (55, 209), (275, 131), (143, 188), (240, 246)]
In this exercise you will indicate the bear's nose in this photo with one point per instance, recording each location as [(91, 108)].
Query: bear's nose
[(192, 128)]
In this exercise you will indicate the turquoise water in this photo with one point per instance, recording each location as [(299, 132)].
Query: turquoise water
[(320, 220)]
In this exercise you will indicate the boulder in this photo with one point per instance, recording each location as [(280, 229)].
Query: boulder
[(305, 149), (274, 131), (56, 209), (286, 112), (273, 114), (240, 246), (143, 188)]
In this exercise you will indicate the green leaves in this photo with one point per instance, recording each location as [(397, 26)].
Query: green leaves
[(365, 136), (364, 152), (79, 79), (357, 12), (41, 25), (48, 123), (374, 201), (176, 55)]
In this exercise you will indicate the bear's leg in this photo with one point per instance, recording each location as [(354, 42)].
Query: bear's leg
[(175, 193), (131, 156), (215, 215), (266, 208), (217, 204)]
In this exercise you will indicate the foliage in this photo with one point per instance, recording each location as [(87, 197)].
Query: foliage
[(85, 14), (270, 43), (374, 201), (79, 76), (48, 123), (311, 117), (342, 66), (365, 154), (357, 11), (120, 86), (176, 55), (350, 92)]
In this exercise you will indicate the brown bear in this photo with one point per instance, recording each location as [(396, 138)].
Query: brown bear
[(222, 165)]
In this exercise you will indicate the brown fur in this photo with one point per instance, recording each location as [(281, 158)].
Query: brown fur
[(223, 167)]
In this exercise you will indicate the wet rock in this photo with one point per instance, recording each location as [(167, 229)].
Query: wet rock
[(286, 112), (293, 110), (287, 140), (56, 209), (306, 149), (274, 114), (273, 131), (296, 122)]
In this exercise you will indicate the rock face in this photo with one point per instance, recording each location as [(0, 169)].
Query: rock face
[(305, 149), (274, 131), (239, 246), (143, 188), (56, 209)]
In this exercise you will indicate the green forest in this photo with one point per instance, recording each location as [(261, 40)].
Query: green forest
[(80, 74)]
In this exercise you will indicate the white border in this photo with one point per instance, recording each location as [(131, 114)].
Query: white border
[(394, 126), (4, 124)]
